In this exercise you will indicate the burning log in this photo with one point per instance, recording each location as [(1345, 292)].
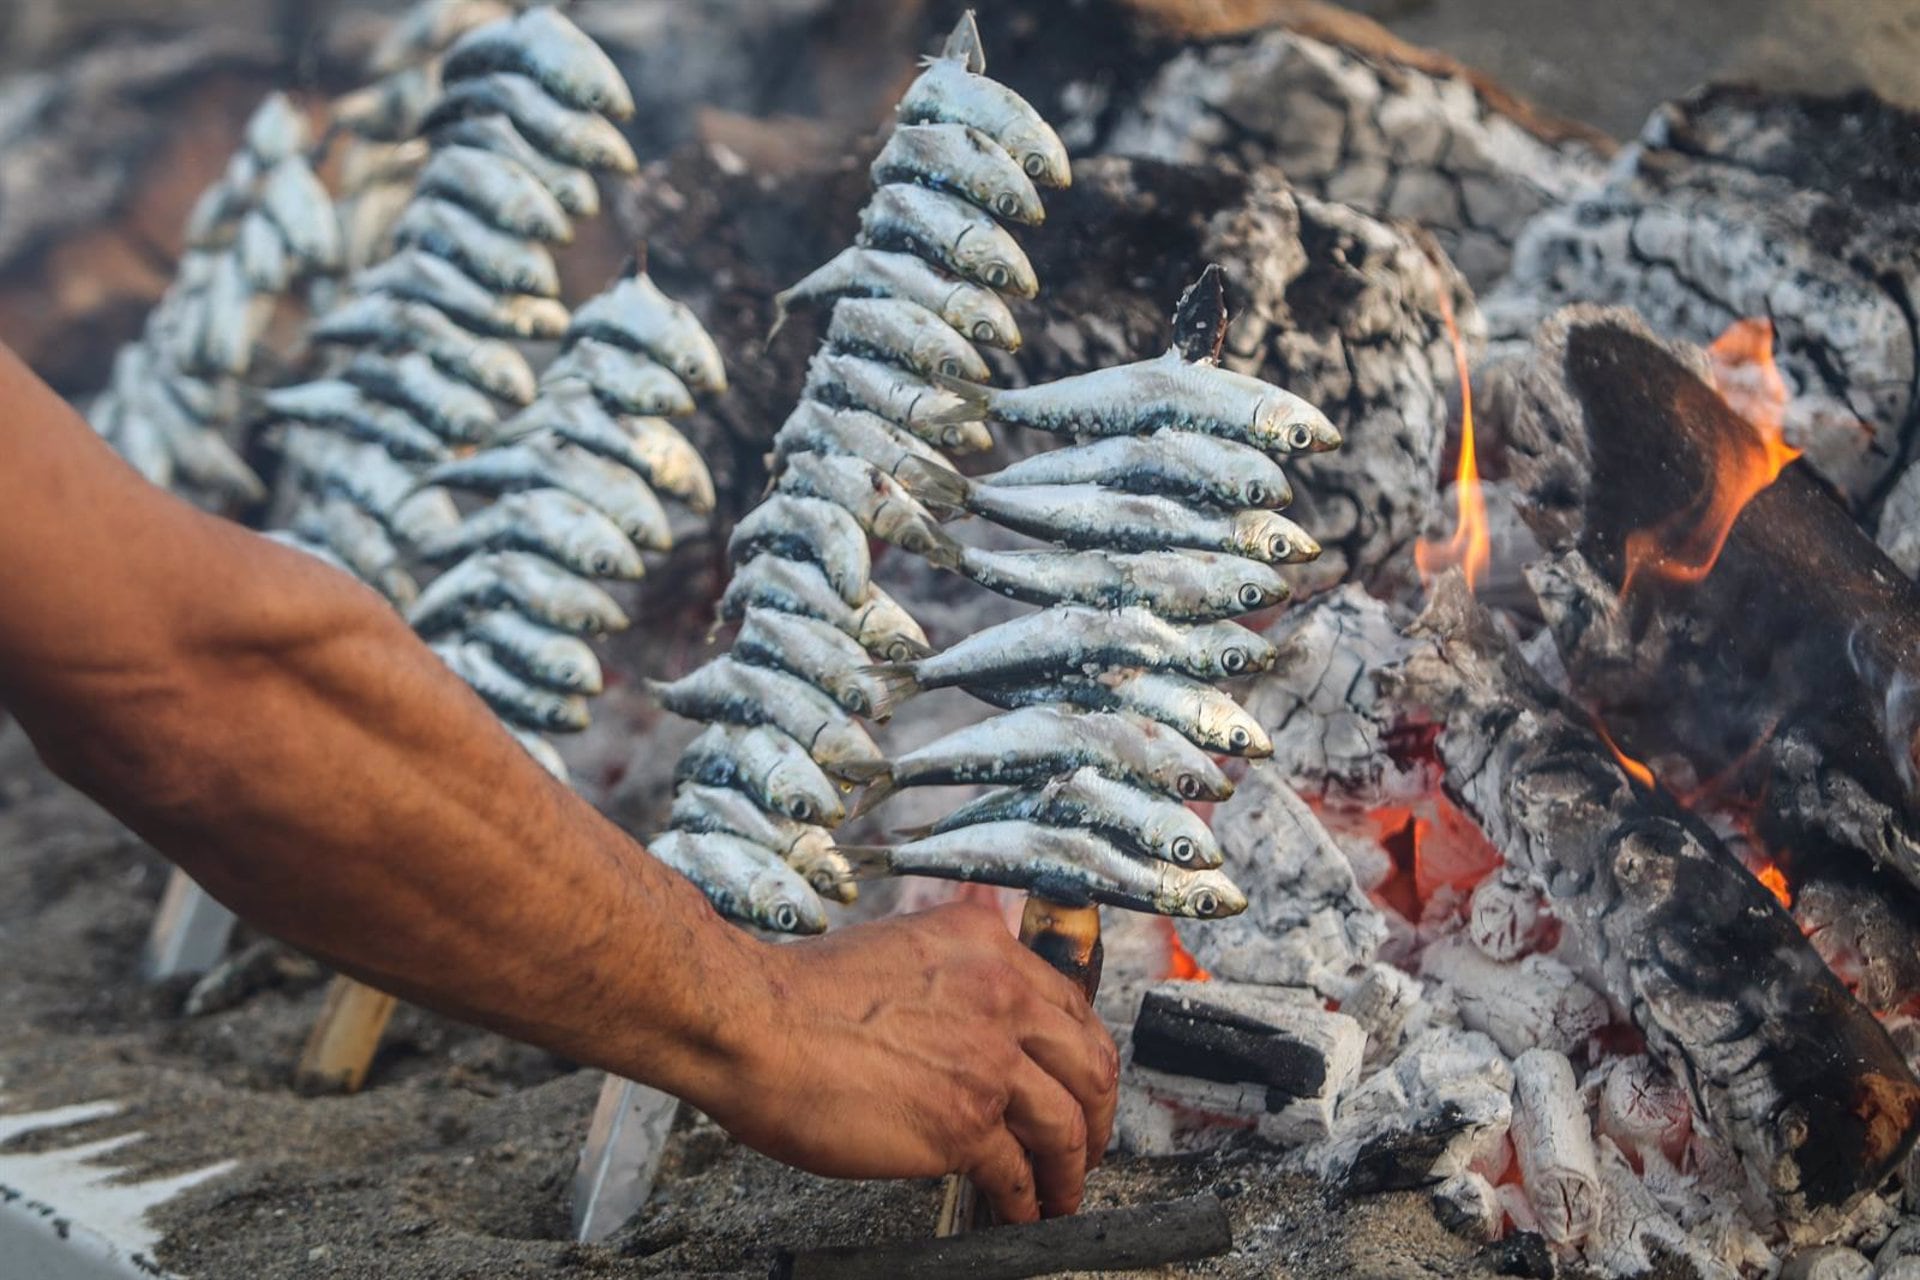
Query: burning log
[(1770, 645), (1153, 1235), (1780, 1061), (1442, 1109), (1468, 1206), (1739, 202), (1554, 1146)]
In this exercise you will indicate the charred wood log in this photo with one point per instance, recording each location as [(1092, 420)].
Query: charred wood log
[(1790, 671), (1742, 203), (1779, 1059), (1152, 1235)]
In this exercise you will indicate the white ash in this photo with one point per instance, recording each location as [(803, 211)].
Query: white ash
[(1631, 1225), (1309, 924), (1507, 917), (1421, 144), (1536, 1002), (1639, 1106), (1553, 1141), (1827, 1262), (1900, 1269), (1382, 1001), (1468, 1206)]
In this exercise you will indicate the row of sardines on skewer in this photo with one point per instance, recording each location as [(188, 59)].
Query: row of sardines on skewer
[(575, 482), (760, 789), (174, 402), (1161, 515), (430, 377)]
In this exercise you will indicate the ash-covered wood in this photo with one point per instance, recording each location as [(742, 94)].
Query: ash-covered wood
[(1780, 1061), (1356, 117), (1536, 1002), (1790, 673), (1553, 1142), (1741, 203), (1151, 1235)]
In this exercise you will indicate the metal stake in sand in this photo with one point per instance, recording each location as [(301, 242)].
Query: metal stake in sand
[(189, 934), (620, 1157)]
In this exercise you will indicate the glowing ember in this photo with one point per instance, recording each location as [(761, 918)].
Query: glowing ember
[(1685, 547), (1469, 546), (1180, 961), (1775, 881)]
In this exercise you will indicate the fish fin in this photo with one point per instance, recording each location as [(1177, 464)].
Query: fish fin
[(854, 772), (879, 789), (941, 491), (963, 44), (907, 834), (780, 312), (978, 400), (1200, 318), (943, 552), (897, 684), (636, 263), (868, 861)]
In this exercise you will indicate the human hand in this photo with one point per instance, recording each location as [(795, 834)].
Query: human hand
[(929, 1044)]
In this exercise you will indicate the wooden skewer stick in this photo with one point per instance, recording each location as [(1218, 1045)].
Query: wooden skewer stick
[(345, 1037), (1068, 938)]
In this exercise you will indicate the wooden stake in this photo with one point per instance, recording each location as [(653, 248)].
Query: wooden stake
[(189, 933), (1068, 938), (345, 1037)]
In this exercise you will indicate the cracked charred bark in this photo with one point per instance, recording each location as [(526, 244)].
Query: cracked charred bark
[(1740, 203), (1789, 673), (1779, 1059)]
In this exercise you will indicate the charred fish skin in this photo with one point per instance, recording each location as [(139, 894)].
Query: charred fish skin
[(935, 416), (581, 138), (814, 427), (728, 692), (1032, 744), (384, 322), (1178, 586), (644, 444), (1088, 516), (1066, 864), (803, 528), (412, 382), (1197, 711), (549, 50), (512, 699), (623, 381), (950, 233), (903, 333), (979, 314), (552, 523), (636, 315), (572, 187), (948, 91), (960, 159), (808, 849), (817, 652), (743, 880), (497, 188), (1073, 639), (538, 654), (876, 622), (497, 259), (1164, 392), (526, 583), (878, 503), (768, 765), (1137, 822), (1198, 469)]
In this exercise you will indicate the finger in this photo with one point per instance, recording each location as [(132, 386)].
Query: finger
[(1052, 1126), (1004, 1177), (1081, 1059), (1053, 986)]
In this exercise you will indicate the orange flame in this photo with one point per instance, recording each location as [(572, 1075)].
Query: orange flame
[(1180, 961), (1770, 875), (1638, 771), (1469, 546), (1685, 547)]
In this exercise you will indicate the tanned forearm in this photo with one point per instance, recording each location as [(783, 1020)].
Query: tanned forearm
[(276, 729)]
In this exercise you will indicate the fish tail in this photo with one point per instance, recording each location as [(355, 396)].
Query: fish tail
[(942, 551), (859, 771), (906, 835), (897, 684), (939, 490), (877, 790), (868, 860), (976, 400)]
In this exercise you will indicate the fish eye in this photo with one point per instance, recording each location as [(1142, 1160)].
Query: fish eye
[(1251, 595), (950, 367), (1256, 495), (1006, 204), (1205, 903), (983, 331), (785, 918), (1278, 546), (1183, 850), (997, 275), (1233, 661), (688, 365), (1035, 164), (953, 437), (1300, 436), (899, 651), (800, 809), (855, 701), (1238, 738), (602, 562), (1188, 786)]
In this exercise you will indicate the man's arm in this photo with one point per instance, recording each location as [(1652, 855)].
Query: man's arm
[(277, 730)]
